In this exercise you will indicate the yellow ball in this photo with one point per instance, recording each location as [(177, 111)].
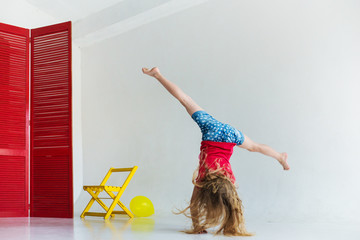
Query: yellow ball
[(141, 206)]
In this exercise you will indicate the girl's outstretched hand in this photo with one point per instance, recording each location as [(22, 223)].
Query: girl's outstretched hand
[(154, 72)]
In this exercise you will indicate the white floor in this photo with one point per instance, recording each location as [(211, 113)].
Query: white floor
[(159, 228)]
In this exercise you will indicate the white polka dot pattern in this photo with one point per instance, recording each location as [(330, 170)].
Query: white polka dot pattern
[(213, 130)]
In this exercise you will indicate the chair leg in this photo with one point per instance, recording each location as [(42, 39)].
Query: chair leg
[(113, 204), (91, 202), (125, 209), (128, 212), (101, 203)]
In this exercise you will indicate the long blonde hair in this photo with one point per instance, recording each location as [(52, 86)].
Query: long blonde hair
[(215, 202)]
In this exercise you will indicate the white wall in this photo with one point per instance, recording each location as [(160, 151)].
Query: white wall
[(286, 73), (76, 121), (22, 14)]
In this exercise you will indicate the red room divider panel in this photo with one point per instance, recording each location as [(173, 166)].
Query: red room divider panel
[(14, 126), (51, 191)]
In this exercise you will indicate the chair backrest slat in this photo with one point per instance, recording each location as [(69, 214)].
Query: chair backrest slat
[(106, 178), (122, 169)]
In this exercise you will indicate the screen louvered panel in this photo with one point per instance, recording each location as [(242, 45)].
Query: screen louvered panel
[(51, 128), (14, 109), (13, 177)]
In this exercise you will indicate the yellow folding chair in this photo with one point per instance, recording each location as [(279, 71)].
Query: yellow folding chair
[(94, 191)]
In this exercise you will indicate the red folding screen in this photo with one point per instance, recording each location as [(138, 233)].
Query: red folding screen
[(14, 115), (51, 129), (50, 126)]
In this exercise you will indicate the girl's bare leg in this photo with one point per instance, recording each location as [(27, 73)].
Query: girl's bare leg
[(252, 146), (192, 107), (174, 90)]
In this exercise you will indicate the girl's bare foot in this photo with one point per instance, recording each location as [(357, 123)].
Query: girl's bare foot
[(154, 72), (283, 161)]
